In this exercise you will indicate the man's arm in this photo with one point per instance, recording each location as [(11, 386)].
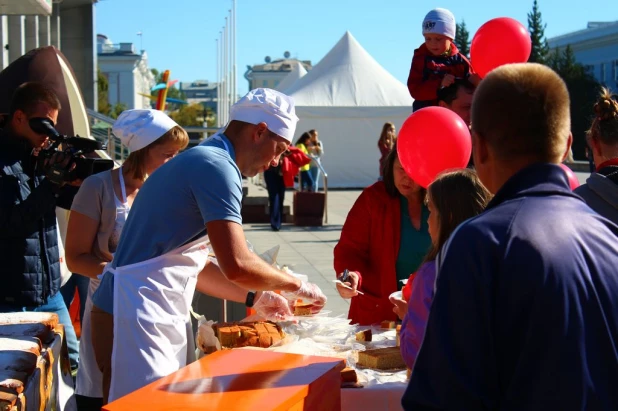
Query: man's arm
[(240, 265), (211, 281), (456, 364)]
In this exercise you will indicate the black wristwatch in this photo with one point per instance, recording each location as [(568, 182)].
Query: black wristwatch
[(250, 299)]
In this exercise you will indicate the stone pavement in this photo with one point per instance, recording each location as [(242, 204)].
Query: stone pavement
[(309, 250)]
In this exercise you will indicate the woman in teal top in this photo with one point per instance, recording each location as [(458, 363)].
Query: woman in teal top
[(384, 240), (414, 241)]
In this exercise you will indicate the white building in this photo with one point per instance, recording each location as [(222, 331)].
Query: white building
[(272, 72), (596, 47), (66, 24), (127, 73)]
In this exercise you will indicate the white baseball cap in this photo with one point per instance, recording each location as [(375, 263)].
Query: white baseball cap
[(138, 128), (268, 106)]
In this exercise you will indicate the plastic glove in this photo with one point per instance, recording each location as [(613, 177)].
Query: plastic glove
[(272, 306), (308, 292)]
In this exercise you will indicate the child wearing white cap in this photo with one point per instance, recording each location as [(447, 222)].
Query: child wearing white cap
[(437, 62), (98, 214)]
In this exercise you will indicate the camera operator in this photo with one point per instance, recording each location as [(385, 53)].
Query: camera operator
[(30, 268)]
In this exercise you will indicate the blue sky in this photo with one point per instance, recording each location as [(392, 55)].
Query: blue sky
[(180, 35)]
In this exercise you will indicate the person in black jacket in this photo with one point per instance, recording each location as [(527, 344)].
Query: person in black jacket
[(30, 268)]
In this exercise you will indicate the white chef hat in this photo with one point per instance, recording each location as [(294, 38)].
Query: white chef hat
[(268, 106), (138, 128), (440, 21)]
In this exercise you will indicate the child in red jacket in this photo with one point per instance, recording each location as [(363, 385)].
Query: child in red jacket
[(437, 62)]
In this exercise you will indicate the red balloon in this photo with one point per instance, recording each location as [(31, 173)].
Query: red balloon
[(573, 181), (432, 140), (499, 41)]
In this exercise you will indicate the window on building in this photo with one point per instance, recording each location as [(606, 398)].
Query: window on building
[(265, 83), (602, 78), (276, 83)]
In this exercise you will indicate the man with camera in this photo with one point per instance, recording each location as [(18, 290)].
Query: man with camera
[(28, 228)]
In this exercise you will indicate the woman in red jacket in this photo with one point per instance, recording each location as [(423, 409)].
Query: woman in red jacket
[(383, 240)]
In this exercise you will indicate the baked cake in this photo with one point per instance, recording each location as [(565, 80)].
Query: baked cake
[(364, 335), (251, 334), (302, 309), (388, 324), (388, 358), (348, 375)]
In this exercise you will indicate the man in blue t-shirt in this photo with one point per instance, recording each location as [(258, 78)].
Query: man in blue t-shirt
[(149, 285), (525, 314)]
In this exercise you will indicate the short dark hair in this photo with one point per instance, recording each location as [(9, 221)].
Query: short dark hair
[(28, 95), (523, 111), (448, 94), (303, 138)]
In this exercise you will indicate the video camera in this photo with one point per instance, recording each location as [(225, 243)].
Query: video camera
[(75, 148)]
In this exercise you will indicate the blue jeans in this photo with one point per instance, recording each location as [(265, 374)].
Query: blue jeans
[(80, 282), (315, 175), (55, 304), (306, 181)]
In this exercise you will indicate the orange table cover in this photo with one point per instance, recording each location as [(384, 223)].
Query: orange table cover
[(243, 379)]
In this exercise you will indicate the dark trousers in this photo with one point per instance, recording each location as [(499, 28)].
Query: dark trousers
[(276, 194)]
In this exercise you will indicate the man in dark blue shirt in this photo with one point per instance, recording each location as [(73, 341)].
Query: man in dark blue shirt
[(525, 315)]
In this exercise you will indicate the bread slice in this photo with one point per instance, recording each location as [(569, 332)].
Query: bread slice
[(13, 379), (19, 354), (48, 319), (388, 324), (301, 309), (388, 358), (364, 335), (251, 334), (348, 375)]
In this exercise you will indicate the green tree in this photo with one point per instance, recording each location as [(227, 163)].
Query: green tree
[(102, 89), (583, 92), (118, 108), (540, 47), (172, 92), (192, 115), (462, 39)]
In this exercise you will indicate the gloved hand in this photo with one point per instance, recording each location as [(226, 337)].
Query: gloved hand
[(308, 292), (272, 306)]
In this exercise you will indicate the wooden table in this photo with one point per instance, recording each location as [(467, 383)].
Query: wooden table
[(243, 380)]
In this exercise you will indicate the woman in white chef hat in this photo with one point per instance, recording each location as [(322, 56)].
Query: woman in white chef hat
[(98, 214)]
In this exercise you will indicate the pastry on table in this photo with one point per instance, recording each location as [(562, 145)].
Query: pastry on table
[(302, 309), (364, 335), (388, 324), (251, 334), (388, 358)]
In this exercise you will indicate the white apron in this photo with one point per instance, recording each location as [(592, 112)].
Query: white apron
[(89, 381), (152, 301)]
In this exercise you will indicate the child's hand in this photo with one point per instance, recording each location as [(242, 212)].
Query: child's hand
[(448, 80), (475, 79)]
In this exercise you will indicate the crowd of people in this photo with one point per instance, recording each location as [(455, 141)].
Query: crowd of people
[(513, 283)]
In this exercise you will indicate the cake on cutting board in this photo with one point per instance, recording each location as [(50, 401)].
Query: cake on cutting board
[(251, 334), (388, 358)]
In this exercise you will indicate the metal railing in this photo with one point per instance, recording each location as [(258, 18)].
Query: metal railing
[(101, 130)]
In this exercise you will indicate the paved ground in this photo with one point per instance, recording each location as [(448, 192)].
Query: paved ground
[(309, 250)]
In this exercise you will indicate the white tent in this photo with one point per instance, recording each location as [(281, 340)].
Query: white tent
[(298, 71), (347, 97)]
